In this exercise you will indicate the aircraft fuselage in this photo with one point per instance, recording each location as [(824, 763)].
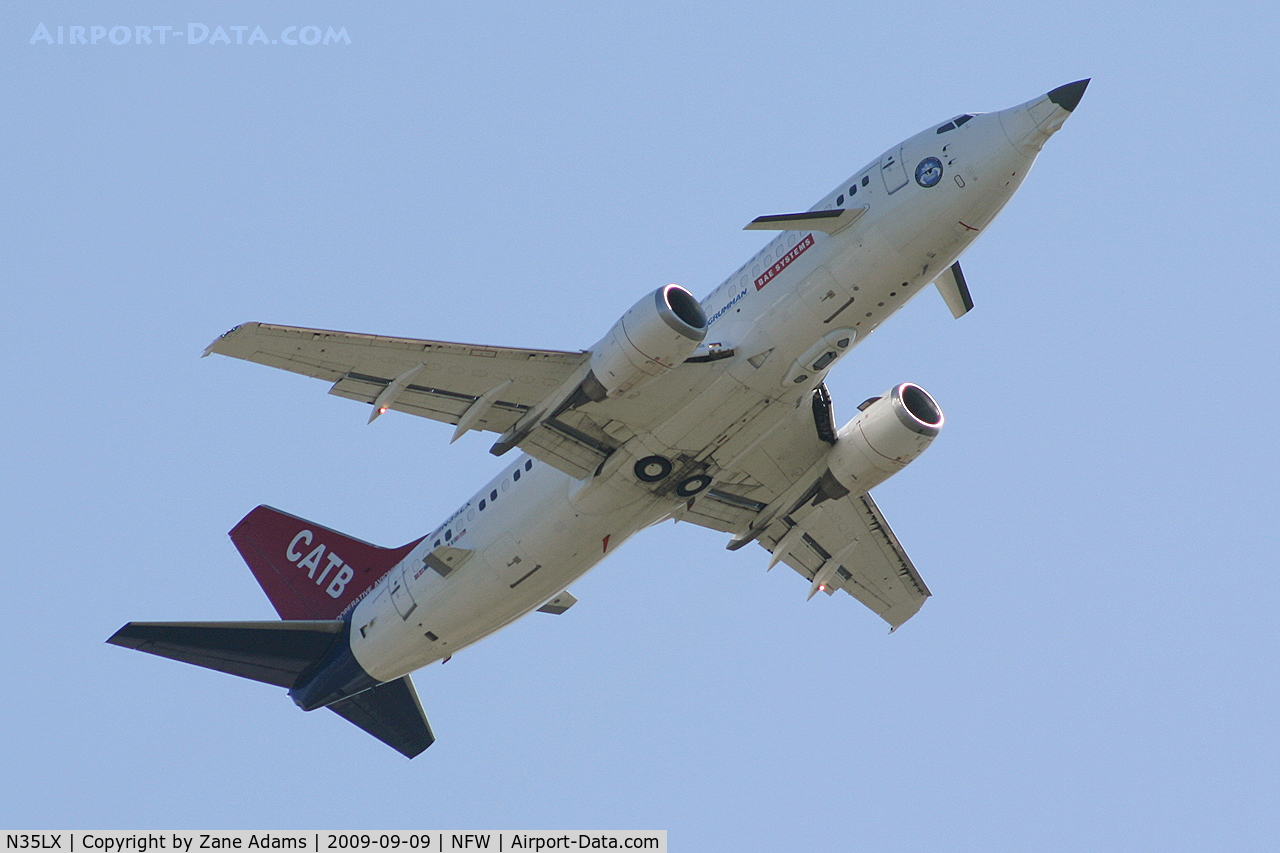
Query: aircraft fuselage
[(804, 300)]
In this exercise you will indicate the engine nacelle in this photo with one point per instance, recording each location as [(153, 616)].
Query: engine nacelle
[(886, 435), (656, 334)]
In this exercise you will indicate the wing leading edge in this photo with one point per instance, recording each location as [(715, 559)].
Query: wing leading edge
[(439, 380)]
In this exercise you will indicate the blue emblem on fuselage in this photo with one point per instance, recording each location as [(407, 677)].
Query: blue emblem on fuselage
[(929, 172)]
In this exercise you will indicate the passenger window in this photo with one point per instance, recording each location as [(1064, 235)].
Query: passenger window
[(437, 545), (506, 484), (493, 496), (471, 515), (515, 475), (866, 179), (528, 463), (839, 199), (448, 536), (482, 504)]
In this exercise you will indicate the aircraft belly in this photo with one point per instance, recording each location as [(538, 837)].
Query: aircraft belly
[(698, 426), (527, 556)]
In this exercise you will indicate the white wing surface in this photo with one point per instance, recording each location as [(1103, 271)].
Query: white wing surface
[(834, 544), (477, 387)]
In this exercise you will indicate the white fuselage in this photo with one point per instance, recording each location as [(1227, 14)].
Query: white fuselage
[(533, 530)]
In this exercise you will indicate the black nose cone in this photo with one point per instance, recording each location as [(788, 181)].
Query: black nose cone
[(1069, 95)]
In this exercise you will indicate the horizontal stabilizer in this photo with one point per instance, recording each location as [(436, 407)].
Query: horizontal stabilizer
[(270, 652), (828, 221), (283, 654), (392, 713), (955, 291)]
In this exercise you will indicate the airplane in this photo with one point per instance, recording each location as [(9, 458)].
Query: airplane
[(712, 412)]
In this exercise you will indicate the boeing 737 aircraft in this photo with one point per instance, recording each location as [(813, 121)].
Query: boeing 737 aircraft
[(710, 412)]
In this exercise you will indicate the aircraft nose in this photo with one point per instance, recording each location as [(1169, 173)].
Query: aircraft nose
[(1028, 126), (1069, 96)]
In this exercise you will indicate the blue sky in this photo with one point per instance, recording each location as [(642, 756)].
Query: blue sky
[(1097, 667)]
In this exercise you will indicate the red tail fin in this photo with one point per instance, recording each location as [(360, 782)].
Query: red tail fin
[(309, 571)]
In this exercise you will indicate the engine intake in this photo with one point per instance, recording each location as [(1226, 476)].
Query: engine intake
[(886, 435), (656, 334)]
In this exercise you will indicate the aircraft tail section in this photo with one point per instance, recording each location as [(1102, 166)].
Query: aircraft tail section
[(392, 713), (308, 571), (301, 655), (271, 652)]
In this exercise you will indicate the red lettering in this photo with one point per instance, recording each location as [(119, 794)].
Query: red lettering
[(782, 264)]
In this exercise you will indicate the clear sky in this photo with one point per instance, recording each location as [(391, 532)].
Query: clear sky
[(1097, 667)]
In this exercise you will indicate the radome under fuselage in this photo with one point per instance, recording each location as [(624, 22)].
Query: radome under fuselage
[(534, 530)]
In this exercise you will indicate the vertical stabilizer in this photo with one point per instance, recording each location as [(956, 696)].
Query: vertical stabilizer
[(309, 571)]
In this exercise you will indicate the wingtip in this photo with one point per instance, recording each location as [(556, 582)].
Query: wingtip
[(212, 347)]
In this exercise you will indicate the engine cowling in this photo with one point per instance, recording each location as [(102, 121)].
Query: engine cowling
[(885, 436), (656, 334)]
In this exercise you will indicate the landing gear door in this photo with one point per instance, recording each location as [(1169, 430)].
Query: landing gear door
[(400, 595), (892, 170)]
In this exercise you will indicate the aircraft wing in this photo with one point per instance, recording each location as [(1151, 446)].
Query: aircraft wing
[(834, 544), (847, 544), (432, 379), (472, 386)]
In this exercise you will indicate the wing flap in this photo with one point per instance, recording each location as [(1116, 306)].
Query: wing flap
[(571, 442), (852, 546), (449, 379), (437, 404)]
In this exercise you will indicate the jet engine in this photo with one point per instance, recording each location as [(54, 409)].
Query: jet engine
[(656, 334), (889, 432)]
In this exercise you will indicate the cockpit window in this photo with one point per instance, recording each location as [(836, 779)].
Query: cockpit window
[(958, 121)]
